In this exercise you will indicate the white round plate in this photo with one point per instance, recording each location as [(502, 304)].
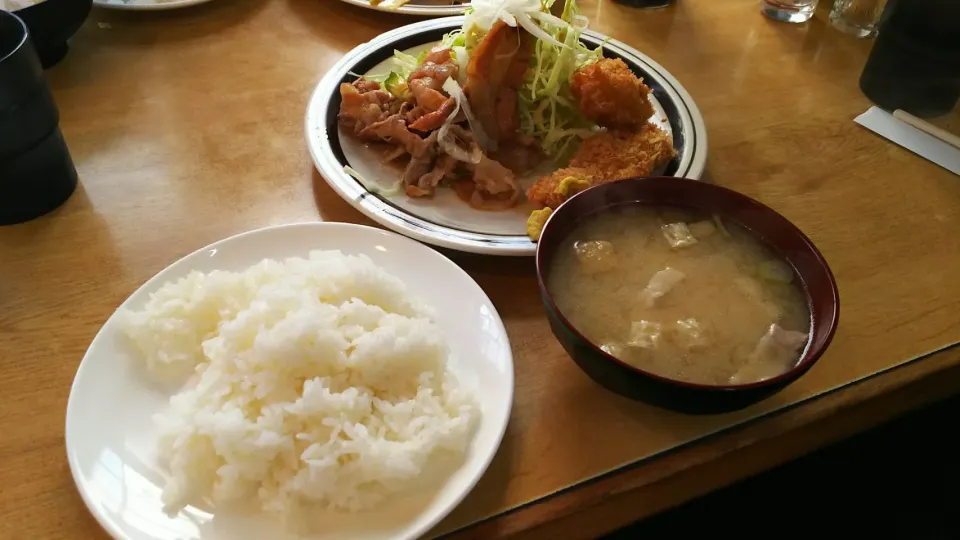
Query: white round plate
[(110, 436), (147, 5), (426, 8), (444, 220)]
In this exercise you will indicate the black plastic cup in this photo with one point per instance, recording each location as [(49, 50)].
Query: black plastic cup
[(915, 62), (36, 172)]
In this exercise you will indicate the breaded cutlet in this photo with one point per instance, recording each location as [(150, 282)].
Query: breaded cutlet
[(605, 157), (609, 94)]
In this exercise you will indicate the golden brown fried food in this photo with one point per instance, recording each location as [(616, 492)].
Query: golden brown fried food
[(548, 192), (605, 157), (609, 94), (620, 154)]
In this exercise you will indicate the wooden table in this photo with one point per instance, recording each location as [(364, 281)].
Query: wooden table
[(186, 127)]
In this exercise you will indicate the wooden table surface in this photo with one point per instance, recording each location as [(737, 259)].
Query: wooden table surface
[(187, 127)]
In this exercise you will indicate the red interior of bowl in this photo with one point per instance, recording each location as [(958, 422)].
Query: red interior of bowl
[(776, 231)]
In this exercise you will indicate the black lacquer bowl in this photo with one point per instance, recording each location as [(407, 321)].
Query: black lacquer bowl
[(777, 232)]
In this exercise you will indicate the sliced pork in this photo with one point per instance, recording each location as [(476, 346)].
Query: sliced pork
[(443, 167), (393, 130), (437, 67), (361, 106), (433, 120), (494, 74), (421, 162)]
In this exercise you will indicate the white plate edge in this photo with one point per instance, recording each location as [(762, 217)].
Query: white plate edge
[(149, 7), (504, 422), (441, 11)]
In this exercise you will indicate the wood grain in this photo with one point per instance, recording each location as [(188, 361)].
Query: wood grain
[(187, 127)]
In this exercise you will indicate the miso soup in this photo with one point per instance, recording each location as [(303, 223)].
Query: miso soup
[(682, 295)]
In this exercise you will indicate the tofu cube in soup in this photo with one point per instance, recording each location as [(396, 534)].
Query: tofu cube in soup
[(595, 256), (702, 229), (775, 353), (645, 334), (710, 305), (690, 334), (678, 235), (660, 284), (613, 349)]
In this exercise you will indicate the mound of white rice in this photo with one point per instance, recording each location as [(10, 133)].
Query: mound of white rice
[(308, 382)]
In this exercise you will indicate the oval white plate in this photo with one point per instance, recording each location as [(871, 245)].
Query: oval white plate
[(415, 7), (444, 220), (147, 5), (110, 436)]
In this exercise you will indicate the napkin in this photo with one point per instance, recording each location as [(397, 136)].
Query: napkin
[(911, 138)]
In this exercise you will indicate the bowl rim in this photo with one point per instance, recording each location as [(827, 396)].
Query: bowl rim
[(810, 354), (26, 33)]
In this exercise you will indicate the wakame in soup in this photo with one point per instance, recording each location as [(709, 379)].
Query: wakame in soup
[(681, 295)]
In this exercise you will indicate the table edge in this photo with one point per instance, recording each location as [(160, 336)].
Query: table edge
[(733, 440)]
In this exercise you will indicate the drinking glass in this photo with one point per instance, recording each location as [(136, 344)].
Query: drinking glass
[(795, 11), (857, 17)]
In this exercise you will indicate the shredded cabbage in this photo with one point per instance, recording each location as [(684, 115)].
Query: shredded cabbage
[(395, 189), (395, 81), (485, 13), (548, 111), (407, 63)]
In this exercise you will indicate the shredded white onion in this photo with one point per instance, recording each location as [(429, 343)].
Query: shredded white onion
[(450, 147), (513, 12), (548, 18), (393, 190), (463, 61), (449, 144), (531, 26), (452, 87)]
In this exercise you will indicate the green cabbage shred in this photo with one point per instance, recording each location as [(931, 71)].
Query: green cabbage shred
[(548, 110)]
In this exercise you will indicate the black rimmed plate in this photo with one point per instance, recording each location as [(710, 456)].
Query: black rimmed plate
[(444, 220)]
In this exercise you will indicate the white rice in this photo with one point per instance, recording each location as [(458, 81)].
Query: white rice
[(316, 382)]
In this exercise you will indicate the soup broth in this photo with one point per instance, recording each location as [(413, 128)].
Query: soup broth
[(681, 295)]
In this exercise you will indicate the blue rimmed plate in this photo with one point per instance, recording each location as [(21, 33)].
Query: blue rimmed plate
[(444, 220)]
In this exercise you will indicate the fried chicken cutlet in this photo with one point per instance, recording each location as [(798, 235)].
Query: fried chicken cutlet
[(605, 157), (609, 94)]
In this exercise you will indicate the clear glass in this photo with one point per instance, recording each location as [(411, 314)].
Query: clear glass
[(795, 11), (857, 17)]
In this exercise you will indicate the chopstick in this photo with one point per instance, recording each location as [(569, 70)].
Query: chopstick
[(927, 128)]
